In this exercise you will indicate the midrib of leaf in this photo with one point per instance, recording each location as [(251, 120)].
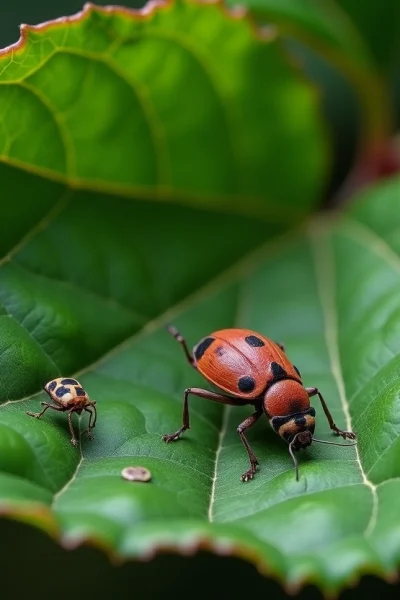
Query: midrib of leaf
[(222, 433), (366, 237), (326, 287), (224, 427)]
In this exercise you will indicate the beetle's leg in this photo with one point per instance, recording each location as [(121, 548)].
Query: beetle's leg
[(179, 338), (172, 437), (280, 345), (249, 422), (93, 406), (345, 434), (95, 412), (90, 425), (46, 406), (74, 441)]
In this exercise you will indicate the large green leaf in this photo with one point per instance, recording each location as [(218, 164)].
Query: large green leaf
[(179, 102), (331, 294)]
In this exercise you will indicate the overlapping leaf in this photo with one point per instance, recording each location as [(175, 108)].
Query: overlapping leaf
[(117, 101), (89, 279)]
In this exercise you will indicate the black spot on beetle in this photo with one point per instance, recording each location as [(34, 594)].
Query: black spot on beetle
[(69, 381), (80, 391), (297, 371), (277, 422), (278, 372), (52, 386), (298, 418), (246, 384), (253, 340), (61, 391), (202, 347)]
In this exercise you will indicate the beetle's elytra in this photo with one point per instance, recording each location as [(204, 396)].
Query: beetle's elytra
[(255, 370), (69, 396)]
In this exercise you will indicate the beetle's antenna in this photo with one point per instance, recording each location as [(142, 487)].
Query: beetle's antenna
[(332, 443), (296, 463)]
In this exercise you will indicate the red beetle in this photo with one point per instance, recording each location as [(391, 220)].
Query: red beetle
[(253, 369)]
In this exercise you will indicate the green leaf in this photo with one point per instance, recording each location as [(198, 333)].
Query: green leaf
[(330, 293), (164, 103)]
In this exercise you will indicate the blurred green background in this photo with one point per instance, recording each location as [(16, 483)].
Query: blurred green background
[(31, 561)]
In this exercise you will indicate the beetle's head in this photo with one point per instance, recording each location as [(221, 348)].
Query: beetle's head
[(296, 429)]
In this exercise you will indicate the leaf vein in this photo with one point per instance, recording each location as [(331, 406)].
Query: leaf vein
[(325, 274), (55, 210), (75, 287), (70, 155)]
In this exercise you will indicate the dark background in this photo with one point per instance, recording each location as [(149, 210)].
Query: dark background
[(30, 563)]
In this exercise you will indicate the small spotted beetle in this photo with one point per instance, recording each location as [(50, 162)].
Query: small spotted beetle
[(69, 396), (253, 369)]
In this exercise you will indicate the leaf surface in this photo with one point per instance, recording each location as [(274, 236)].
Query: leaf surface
[(330, 293)]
